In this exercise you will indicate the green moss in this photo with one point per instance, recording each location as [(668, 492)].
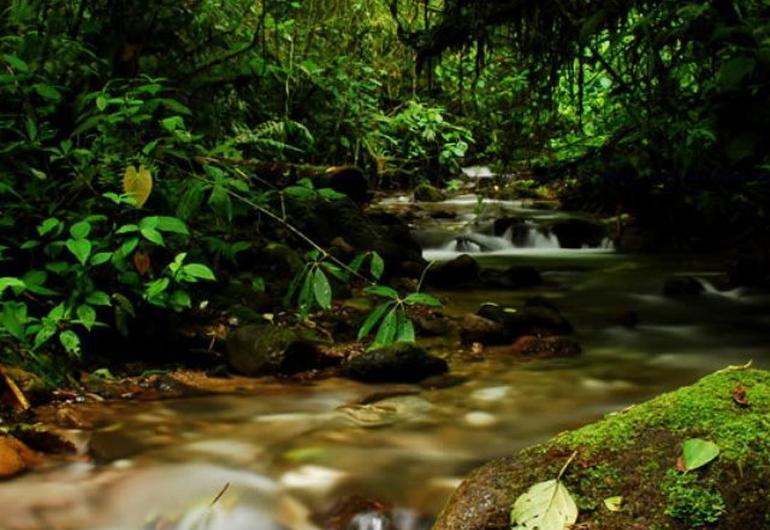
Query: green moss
[(706, 407), (691, 502)]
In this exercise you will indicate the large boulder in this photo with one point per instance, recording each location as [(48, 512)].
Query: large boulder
[(578, 233), (262, 349), (633, 454), (399, 363)]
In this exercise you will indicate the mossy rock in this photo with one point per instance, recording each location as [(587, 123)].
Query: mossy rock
[(401, 362), (262, 349), (428, 193), (634, 454)]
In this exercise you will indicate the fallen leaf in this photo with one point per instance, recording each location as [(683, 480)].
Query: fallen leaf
[(613, 504), (739, 396), (680, 465), (142, 263), (545, 506), (697, 453)]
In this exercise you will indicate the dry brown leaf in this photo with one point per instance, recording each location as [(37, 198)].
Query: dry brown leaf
[(739, 396), (142, 263)]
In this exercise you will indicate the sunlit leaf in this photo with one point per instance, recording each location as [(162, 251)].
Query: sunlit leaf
[(545, 506), (137, 184)]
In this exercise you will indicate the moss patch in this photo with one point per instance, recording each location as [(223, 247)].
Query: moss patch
[(633, 454)]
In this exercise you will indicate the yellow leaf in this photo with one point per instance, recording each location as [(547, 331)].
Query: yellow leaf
[(137, 184)]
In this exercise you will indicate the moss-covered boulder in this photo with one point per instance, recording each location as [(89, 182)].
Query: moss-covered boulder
[(262, 349), (633, 454), (428, 193)]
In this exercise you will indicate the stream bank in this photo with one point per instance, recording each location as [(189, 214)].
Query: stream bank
[(301, 452)]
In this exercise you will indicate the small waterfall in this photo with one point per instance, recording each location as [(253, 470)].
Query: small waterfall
[(532, 237)]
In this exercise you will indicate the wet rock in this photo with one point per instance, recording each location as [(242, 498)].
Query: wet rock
[(516, 224), (532, 346), (676, 286), (352, 512), (399, 363), (477, 329), (371, 521), (15, 457), (577, 233), (461, 271), (264, 349), (428, 193), (537, 317), (632, 454), (515, 277), (349, 180)]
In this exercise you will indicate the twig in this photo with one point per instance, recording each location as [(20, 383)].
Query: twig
[(21, 399)]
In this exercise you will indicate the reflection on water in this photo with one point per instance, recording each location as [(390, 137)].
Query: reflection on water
[(289, 451)]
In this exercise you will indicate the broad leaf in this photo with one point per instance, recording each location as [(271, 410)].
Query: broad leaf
[(80, 230), (405, 331), (697, 453), (545, 506), (386, 335), (381, 290), (87, 316), (80, 248), (322, 289), (377, 266), (199, 272), (372, 320), (137, 184), (7, 282), (422, 299)]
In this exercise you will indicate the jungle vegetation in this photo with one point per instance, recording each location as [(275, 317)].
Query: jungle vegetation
[(149, 150)]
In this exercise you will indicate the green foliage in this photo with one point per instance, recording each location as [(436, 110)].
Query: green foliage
[(691, 502), (697, 453), (389, 320)]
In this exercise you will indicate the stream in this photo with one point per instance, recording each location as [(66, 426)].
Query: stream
[(281, 452)]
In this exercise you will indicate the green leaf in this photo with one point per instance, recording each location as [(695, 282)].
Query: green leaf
[(305, 300), (34, 280), (127, 229), (180, 299), (87, 316), (13, 319), (322, 289), (377, 266), (47, 92), (405, 328), (101, 258), (372, 320), (220, 202), (45, 333), (387, 332), (199, 271), (172, 224), (7, 282), (98, 298), (156, 287), (71, 342), (80, 248), (613, 504), (128, 247), (152, 235), (545, 506), (697, 453), (48, 225), (357, 262), (382, 291), (422, 299), (80, 230)]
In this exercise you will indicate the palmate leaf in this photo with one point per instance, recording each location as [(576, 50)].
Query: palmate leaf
[(137, 184), (545, 506)]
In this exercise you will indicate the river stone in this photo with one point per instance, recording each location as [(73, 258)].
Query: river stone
[(263, 349), (514, 277), (633, 454), (533, 346), (676, 286), (462, 270), (475, 328), (428, 193), (577, 233), (15, 457), (537, 317), (399, 363)]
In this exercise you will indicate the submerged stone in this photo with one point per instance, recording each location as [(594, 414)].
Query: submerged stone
[(633, 454), (428, 193)]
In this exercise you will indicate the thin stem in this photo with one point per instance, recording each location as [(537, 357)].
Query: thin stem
[(566, 465)]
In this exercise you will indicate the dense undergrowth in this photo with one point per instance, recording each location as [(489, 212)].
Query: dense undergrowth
[(151, 153)]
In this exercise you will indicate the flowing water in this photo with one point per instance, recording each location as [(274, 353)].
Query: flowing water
[(288, 451)]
